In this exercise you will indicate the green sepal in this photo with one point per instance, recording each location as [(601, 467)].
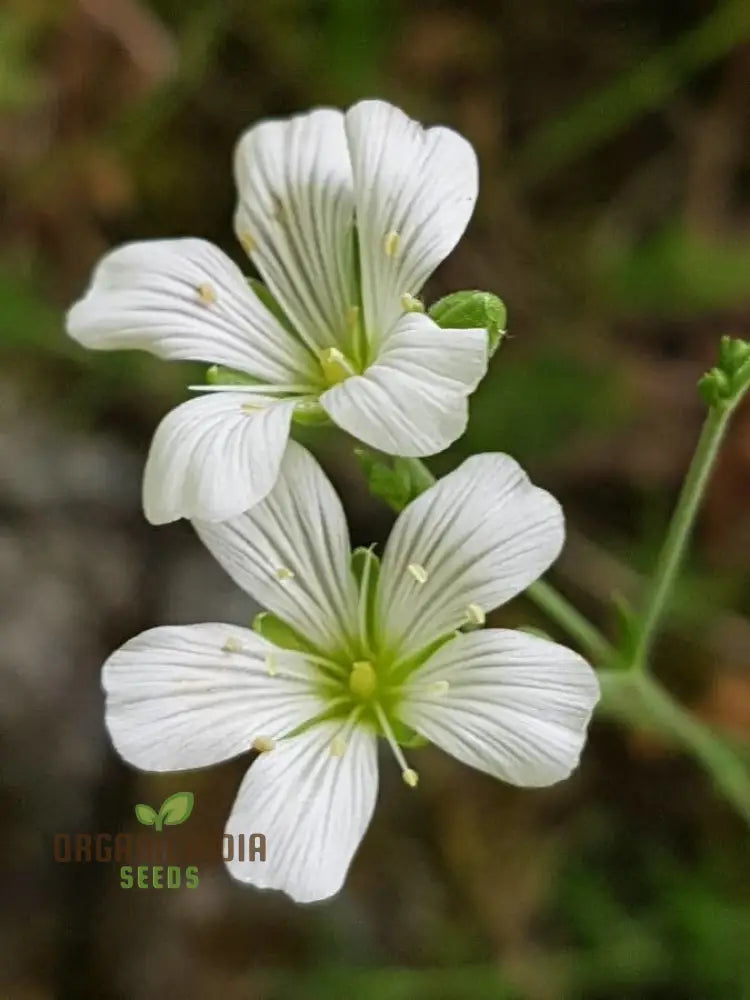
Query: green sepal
[(397, 483), (309, 413), (276, 631), (407, 737), (472, 310)]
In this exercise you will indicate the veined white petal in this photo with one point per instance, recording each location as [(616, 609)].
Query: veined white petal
[(481, 535), (291, 553), (413, 399), (295, 216), (313, 808), (415, 190), (185, 300), (191, 695), (215, 456), (511, 704)]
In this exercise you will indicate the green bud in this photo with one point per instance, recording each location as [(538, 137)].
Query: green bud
[(471, 310), (725, 384), (398, 483)]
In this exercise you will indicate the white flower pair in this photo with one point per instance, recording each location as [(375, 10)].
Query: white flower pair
[(345, 217)]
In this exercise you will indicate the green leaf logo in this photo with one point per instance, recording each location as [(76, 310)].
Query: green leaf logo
[(175, 809)]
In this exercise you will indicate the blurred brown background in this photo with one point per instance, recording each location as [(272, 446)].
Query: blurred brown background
[(614, 219)]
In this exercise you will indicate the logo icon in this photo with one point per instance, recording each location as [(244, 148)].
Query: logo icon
[(175, 809)]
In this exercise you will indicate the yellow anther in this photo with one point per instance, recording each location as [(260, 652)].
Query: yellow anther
[(440, 687), (411, 778), (363, 680), (207, 293), (284, 573), (391, 243), (232, 645), (271, 665), (263, 744), (335, 364), (411, 304), (247, 242), (419, 573), (338, 746), (475, 615)]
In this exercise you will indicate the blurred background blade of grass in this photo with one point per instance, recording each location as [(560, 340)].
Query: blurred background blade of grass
[(614, 220)]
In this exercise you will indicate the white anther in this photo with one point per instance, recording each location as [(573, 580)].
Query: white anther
[(440, 687), (419, 573), (283, 573), (207, 293), (391, 243), (411, 304), (271, 665), (475, 615), (263, 744), (232, 645), (247, 242), (337, 747), (410, 776)]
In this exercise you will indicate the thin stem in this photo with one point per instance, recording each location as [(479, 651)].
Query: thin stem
[(680, 528), (561, 611), (640, 700)]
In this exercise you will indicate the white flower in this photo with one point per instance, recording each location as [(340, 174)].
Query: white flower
[(380, 653), (345, 216)]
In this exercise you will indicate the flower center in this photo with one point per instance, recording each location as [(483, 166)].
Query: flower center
[(363, 680), (336, 366)]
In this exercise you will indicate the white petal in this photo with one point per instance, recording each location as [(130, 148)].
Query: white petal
[(418, 183), (482, 534), (413, 399), (313, 809), (185, 300), (212, 458), (188, 696), (291, 553), (517, 706), (295, 215)]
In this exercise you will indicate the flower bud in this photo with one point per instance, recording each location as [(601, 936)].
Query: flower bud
[(472, 310)]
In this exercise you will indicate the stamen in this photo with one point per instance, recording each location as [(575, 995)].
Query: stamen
[(271, 665), (337, 747), (232, 645), (247, 242), (409, 775), (419, 573), (439, 688), (475, 615), (411, 304), (391, 243), (336, 366), (284, 573), (263, 744), (282, 389), (363, 679), (207, 293)]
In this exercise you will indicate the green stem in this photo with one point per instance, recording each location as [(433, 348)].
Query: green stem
[(641, 701), (680, 528), (561, 611)]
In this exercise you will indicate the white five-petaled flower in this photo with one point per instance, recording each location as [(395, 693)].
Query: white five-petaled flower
[(345, 216), (354, 650)]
